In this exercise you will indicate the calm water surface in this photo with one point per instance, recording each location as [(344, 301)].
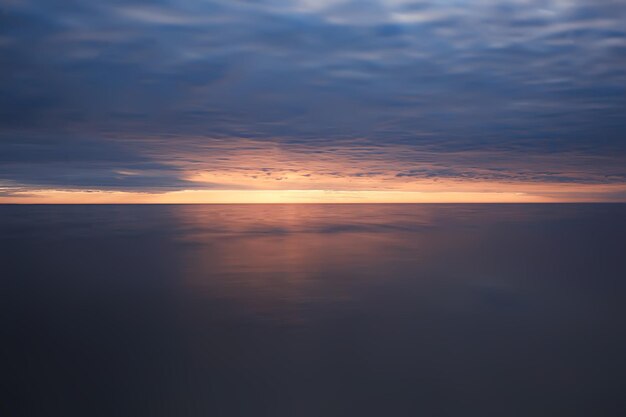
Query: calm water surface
[(313, 310)]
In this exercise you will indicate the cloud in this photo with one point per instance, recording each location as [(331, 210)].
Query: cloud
[(389, 90)]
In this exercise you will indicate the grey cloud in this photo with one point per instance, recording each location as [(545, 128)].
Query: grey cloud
[(526, 75)]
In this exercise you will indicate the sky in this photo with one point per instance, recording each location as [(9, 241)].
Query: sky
[(195, 101)]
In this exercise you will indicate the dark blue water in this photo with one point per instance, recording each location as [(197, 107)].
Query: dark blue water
[(313, 310)]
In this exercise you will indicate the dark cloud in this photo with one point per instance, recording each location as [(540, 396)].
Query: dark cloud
[(90, 89), (83, 163)]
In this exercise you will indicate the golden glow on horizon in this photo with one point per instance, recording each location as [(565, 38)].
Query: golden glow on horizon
[(244, 164), (543, 194), (246, 171)]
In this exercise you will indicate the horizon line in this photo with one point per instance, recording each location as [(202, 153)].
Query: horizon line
[(548, 196)]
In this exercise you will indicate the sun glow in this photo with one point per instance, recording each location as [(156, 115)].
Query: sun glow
[(295, 196)]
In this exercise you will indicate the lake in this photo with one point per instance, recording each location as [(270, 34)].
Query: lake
[(313, 310)]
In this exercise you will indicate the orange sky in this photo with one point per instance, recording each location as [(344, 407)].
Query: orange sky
[(433, 193), (247, 171)]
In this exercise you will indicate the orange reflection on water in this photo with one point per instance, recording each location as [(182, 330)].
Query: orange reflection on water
[(277, 258)]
